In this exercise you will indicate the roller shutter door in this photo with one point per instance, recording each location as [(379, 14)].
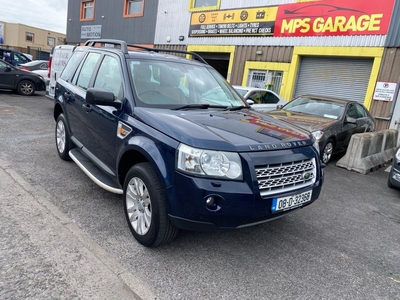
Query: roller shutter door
[(334, 76)]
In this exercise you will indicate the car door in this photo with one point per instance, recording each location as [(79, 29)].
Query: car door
[(354, 122), (7, 76), (102, 121), (75, 93)]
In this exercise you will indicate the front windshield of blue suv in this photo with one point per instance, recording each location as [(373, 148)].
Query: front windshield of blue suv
[(163, 83)]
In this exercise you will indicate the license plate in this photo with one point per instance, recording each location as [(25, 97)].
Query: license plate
[(290, 202)]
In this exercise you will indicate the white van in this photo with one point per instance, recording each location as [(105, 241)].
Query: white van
[(59, 56)]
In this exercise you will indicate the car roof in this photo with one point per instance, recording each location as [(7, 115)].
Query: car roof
[(327, 98)]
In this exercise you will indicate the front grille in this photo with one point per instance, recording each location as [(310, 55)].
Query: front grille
[(284, 177)]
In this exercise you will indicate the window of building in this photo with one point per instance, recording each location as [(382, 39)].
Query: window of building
[(50, 41), (133, 8), (29, 37), (87, 10), (198, 5), (271, 80)]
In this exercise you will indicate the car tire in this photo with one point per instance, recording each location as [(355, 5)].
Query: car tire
[(326, 151), (26, 88), (63, 140), (145, 207)]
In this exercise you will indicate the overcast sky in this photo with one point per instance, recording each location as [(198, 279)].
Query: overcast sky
[(44, 14)]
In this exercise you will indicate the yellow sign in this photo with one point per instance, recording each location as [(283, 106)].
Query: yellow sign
[(244, 21)]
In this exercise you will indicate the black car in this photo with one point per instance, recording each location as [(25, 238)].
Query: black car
[(24, 82), (394, 175), (35, 65), (332, 121)]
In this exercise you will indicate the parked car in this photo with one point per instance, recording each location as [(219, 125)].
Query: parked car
[(16, 57), (143, 124), (260, 99), (332, 121), (24, 82), (35, 65), (394, 174)]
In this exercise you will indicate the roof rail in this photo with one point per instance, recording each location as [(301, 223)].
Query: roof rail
[(170, 51), (108, 43), (119, 44)]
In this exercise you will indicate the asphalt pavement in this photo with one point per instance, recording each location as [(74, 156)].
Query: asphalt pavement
[(63, 237)]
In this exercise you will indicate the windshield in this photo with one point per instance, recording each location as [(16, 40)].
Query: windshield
[(242, 92), (316, 107), (165, 84)]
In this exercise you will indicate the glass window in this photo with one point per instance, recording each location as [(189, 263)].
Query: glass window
[(29, 37), (20, 59), (133, 8), (171, 84), (204, 3), (87, 69), (69, 69), (109, 76), (50, 41), (87, 10), (270, 98)]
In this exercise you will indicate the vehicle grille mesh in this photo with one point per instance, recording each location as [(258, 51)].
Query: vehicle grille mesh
[(283, 177)]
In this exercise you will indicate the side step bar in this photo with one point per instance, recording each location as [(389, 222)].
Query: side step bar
[(94, 172)]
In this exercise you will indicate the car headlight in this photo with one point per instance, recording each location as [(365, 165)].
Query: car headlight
[(318, 134), (398, 154), (209, 163)]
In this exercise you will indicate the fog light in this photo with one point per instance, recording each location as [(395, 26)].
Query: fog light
[(210, 201)]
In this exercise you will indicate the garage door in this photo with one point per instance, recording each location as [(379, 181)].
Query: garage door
[(335, 77)]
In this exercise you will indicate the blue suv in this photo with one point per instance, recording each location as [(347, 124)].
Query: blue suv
[(174, 138)]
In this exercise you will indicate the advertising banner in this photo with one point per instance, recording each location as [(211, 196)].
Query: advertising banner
[(234, 22), (334, 17), (91, 32)]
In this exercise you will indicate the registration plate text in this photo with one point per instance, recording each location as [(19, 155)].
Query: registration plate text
[(289, 202)]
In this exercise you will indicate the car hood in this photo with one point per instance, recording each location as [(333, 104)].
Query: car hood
[(244, 130), (308, 122)]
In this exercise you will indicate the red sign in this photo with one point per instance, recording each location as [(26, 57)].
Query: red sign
[(333, 17)]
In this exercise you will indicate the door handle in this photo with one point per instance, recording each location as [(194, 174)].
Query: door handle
[(87, 107)]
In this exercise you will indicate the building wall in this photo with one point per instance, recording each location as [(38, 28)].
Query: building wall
[(389, 72), (109, 14), (15, 37)]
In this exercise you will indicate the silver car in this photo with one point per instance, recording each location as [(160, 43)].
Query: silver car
[(260, 99)]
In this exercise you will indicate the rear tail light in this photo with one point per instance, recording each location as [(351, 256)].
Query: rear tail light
[(24, 68), (50, 60)]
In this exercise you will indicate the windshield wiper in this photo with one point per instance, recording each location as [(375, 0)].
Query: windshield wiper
[(237, 107), (198, 106)]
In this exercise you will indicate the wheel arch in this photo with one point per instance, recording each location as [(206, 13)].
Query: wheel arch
[(143, 149)]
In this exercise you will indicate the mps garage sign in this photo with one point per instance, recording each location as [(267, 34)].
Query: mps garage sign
[(333, 17)]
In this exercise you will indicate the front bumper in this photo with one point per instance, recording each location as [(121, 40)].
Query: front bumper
[(236, 203), (394, 175)]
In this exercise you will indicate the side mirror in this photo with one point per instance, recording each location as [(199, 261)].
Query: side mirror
[(98, 96), (250, 102), (350, 120), (8, 69), (279, 106)]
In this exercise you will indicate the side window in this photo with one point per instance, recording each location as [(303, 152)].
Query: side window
[(109, 76), (86, 71), (352, 111), (2, 66), (256, 97), (361, 111), (20, 58), (270, 98), (70, 68)]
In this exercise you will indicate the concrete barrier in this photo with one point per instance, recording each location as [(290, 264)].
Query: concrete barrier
[(369, 151)]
